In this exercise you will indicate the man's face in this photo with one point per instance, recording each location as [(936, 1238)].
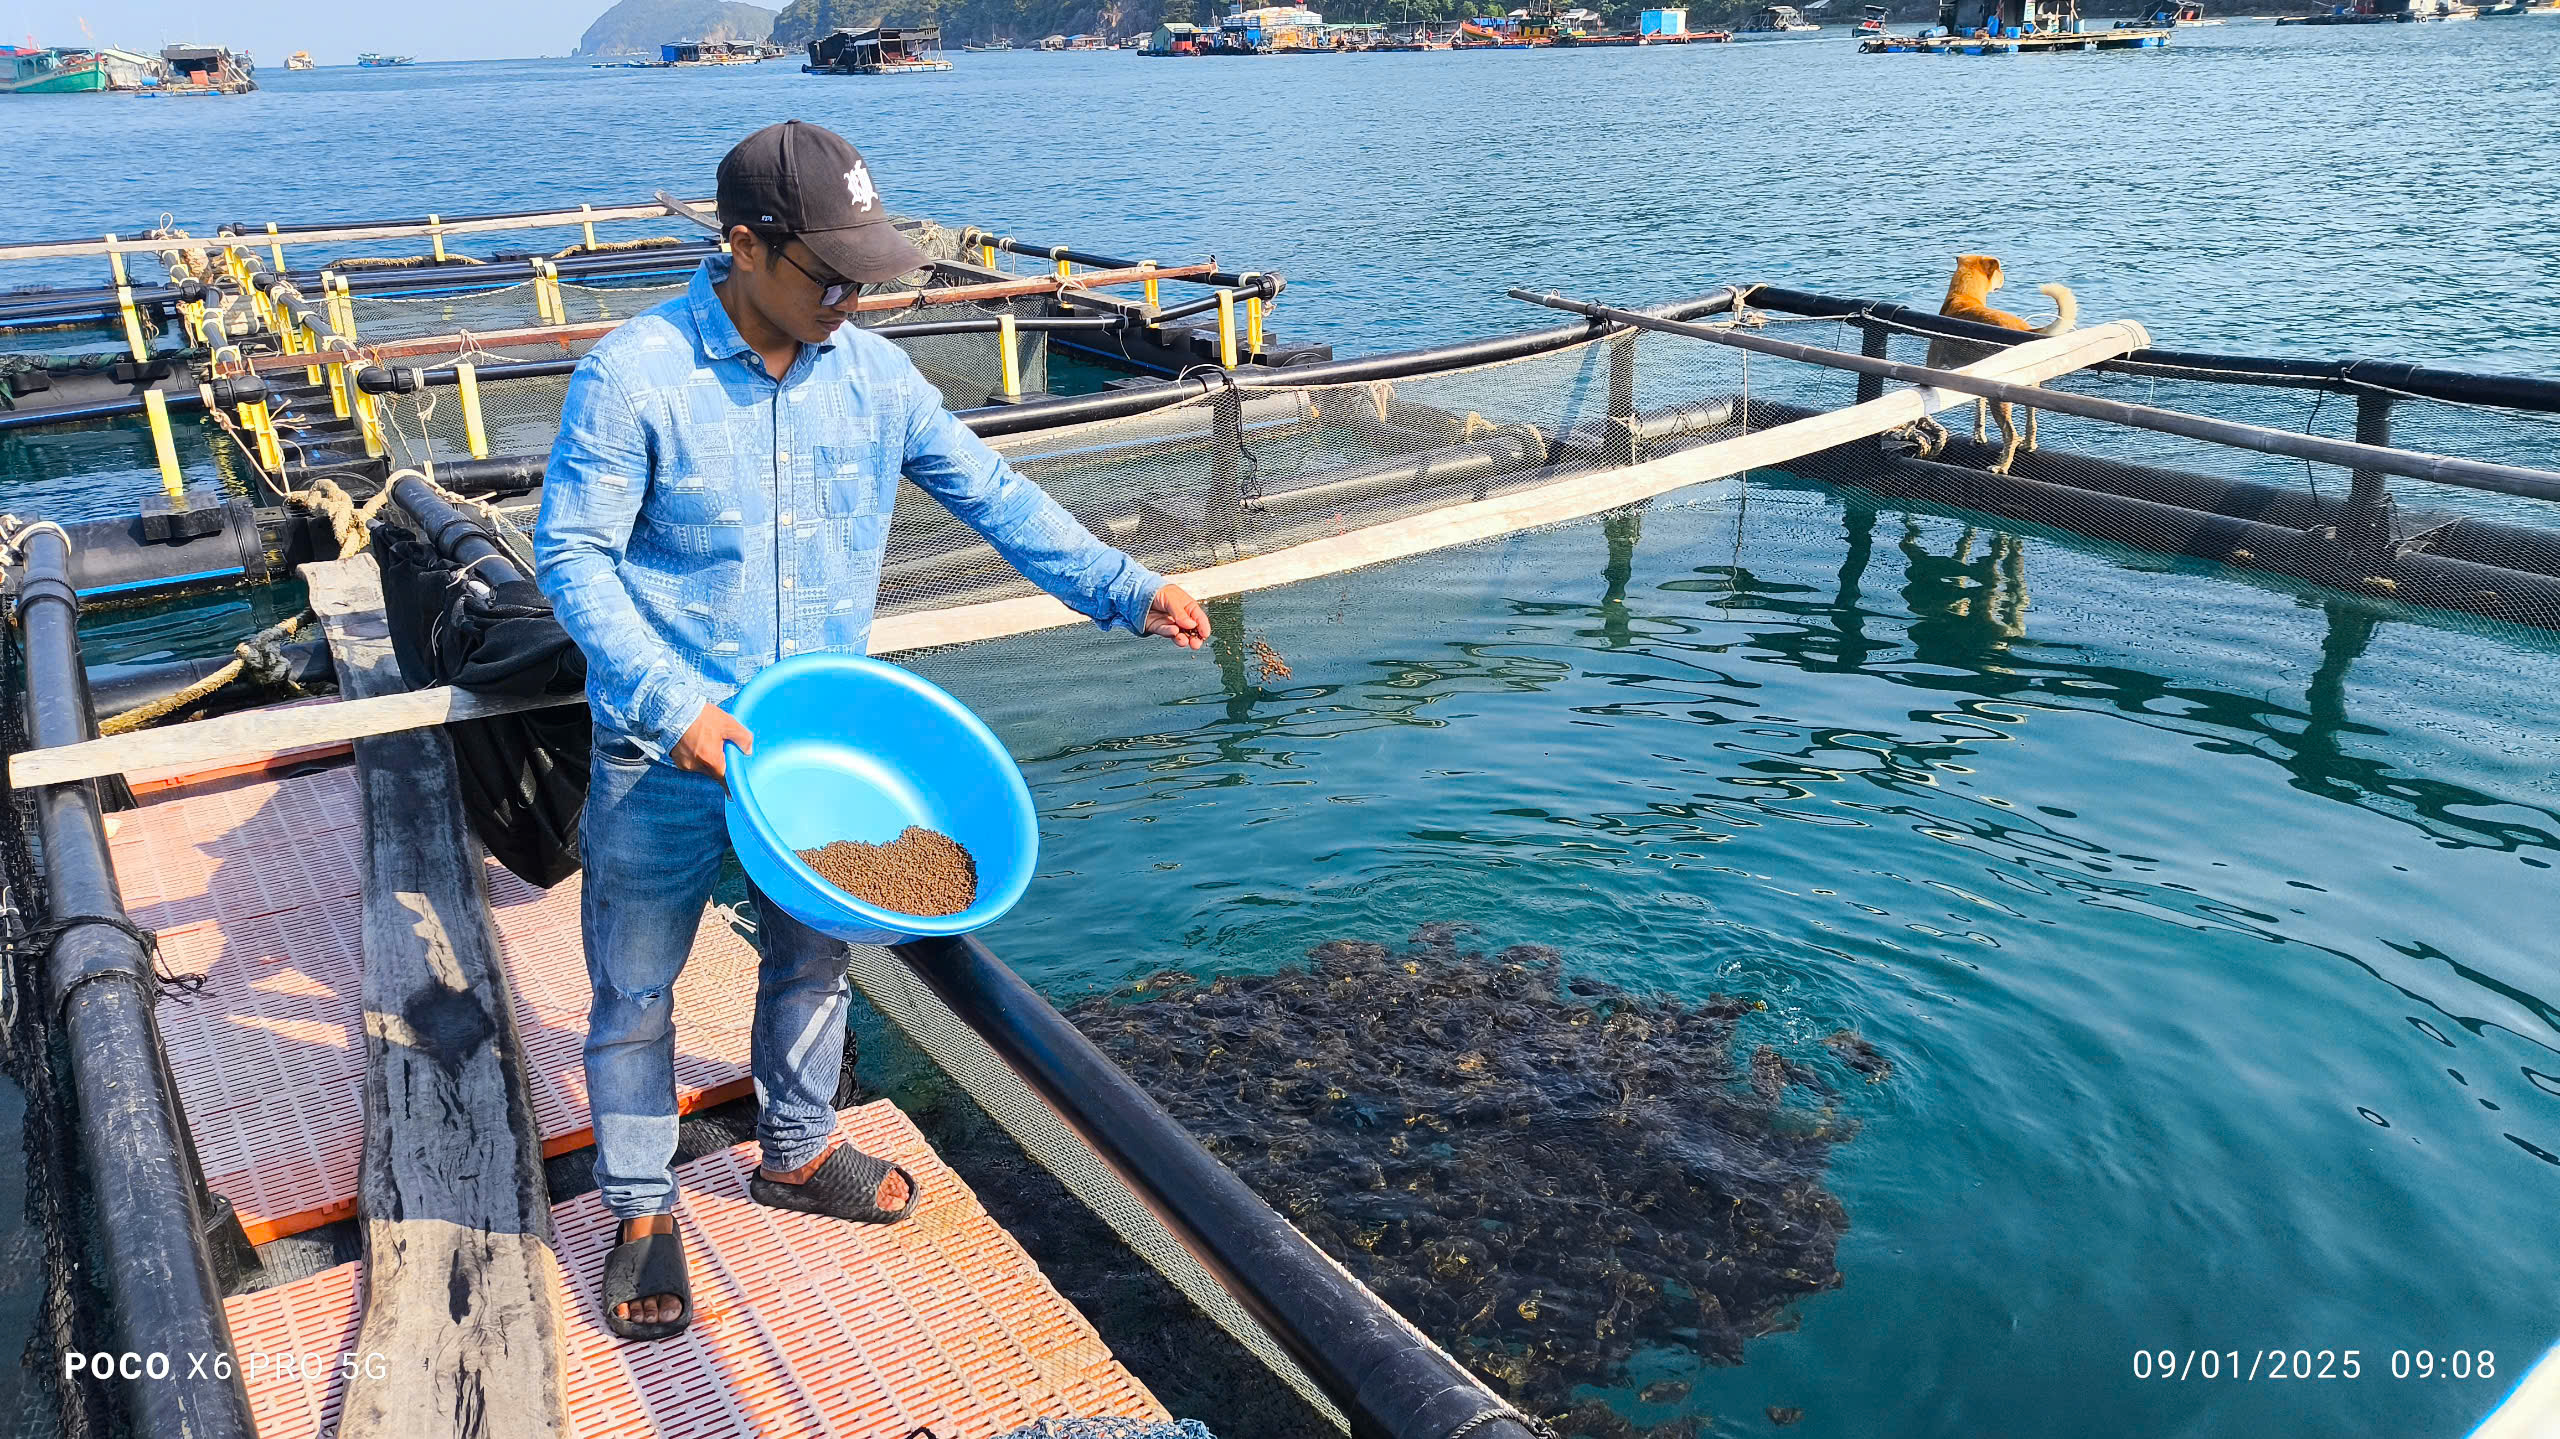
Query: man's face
[(788, 285)]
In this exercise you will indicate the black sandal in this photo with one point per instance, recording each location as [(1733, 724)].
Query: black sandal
[(647, 1266), (845, 1186)]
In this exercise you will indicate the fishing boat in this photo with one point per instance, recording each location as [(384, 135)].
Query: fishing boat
[(299, 60), (1870, 23), (1776, 22), (40, 70), (992, 47), (373, 61)]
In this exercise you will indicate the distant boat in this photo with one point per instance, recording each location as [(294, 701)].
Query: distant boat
[(298, 60), (372, 61), (1870, 23), (1776, 22), (992, 47)]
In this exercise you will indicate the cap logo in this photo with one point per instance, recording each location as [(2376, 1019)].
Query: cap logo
[(858, 181)]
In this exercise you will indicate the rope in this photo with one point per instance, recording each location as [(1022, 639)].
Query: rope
[(39, 942), (259, 657), (402, 262)]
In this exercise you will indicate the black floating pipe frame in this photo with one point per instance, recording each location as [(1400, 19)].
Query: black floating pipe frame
[(456, 533), (133, 1139), (1390, 1381)]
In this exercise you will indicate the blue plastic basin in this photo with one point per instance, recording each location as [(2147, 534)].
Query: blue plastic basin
[(851, 748)]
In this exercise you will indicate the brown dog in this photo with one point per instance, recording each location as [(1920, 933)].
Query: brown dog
[(1969, 298)]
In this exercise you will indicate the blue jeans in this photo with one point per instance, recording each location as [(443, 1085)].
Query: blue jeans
[(653, 840)]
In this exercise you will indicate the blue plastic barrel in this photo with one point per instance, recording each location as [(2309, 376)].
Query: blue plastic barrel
[(851, 748)]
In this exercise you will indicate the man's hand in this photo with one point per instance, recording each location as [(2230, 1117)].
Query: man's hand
[(1178, 617), (701, 748)]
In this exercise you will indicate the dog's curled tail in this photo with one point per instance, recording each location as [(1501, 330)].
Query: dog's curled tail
[(2066, 309)]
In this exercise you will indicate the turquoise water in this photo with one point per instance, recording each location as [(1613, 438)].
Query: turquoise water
[(2201, 919), (2187, 910)]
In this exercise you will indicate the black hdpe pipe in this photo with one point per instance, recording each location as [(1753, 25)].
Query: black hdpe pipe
[(114, 558), (133, 1140), (972, 238), (1139, 399), (2461, 387), (2486, 542), (456, 533), (2445, 583), (114, 689), (458, 278), (1390, 1381)]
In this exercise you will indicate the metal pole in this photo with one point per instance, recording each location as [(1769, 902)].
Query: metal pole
[(133, 1138), (2368, 500), (1620, 446)]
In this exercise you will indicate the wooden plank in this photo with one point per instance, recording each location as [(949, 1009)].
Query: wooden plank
[(260, 732), (461, 1275), (257, 732)]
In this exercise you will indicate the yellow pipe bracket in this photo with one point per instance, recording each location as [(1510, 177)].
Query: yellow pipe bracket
[(1008, 340), (164, 446), (1227, 329), (466, 380)]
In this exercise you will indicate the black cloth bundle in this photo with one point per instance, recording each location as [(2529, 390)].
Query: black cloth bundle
[(524, 776)]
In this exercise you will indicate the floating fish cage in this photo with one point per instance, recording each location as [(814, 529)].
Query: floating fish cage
[(271, 857)]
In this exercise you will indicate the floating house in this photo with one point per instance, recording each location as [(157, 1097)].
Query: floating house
[(2014, 27), (209, 69), (879, 50), (1776, 22), (1662, 24), (1179, 37), (709, 52)]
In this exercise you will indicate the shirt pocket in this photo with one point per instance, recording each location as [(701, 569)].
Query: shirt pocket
[(848, 469)]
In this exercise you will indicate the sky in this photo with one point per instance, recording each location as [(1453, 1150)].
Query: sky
[(332, 30)]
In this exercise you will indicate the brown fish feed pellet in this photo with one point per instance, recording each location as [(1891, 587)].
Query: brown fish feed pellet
[(921, 872)]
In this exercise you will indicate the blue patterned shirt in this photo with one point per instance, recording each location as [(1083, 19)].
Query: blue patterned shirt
[(701, 520)]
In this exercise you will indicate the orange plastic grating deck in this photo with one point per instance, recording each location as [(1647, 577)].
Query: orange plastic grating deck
[(256, 889), (806, 1326)]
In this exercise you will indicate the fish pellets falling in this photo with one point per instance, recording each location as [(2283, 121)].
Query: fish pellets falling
[(921, 872), (1267, 662)]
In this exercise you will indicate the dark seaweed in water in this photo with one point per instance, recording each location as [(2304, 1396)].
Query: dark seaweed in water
[(1546, 1175)]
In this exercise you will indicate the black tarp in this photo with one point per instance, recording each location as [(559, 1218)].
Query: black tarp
[(524, 776)]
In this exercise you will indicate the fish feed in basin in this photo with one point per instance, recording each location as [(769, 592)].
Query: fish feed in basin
[(849, 748)]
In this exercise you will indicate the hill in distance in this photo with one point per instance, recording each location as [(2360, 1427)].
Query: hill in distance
[(639, 27)]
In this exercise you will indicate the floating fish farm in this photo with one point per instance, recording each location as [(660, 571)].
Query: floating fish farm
[(298, 1008)]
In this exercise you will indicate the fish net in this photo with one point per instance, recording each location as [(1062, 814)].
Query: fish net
[(1237, 472), (2385, 536)]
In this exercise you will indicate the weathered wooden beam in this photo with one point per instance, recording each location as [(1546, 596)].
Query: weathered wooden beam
[(257, 732), (459, 1263)]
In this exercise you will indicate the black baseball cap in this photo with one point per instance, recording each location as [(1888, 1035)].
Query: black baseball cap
[(809, 180)]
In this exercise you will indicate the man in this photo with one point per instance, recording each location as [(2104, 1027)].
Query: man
[(718, 500)]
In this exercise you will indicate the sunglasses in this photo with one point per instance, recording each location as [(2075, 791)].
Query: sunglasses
[(830, 292)]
